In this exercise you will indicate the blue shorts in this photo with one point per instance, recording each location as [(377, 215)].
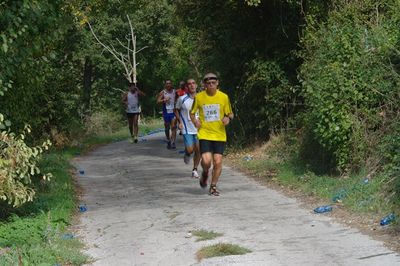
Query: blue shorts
[(190, 140), (168, 117)]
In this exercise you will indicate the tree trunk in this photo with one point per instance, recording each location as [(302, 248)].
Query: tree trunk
[(87, 84)]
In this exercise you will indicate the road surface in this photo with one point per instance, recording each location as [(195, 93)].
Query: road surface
[(142, 205)]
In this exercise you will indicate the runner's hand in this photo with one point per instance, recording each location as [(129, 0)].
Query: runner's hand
[(197, 123), (225, 120), (180, 126)]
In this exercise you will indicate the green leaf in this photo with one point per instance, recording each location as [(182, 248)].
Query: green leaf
[(5, 47)]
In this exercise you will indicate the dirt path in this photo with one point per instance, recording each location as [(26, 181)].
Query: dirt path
[(142, 203)]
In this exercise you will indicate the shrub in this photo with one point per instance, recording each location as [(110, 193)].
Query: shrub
[(103, 122), (349, 77), (18, 165), (267, 99)]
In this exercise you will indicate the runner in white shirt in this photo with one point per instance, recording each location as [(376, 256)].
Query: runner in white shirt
[(131, 101), (167, 98), (189, 131)]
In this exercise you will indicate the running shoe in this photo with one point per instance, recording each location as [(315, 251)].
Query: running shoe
[(173, 146), (169, 145), (186, 158), (203, 179), (195, 174), (213, 190), (135, 140)]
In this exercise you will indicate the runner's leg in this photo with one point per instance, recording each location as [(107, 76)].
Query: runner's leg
[(166, 130), (217, 168), (136, 125), (173, 132), (130, 124), (197, 157)]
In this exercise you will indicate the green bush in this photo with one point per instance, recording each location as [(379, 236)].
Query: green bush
[(350, 78), (390, 151), (103, 122), (266, 98), (18, 165)]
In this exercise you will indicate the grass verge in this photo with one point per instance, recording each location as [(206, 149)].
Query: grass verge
[(38, 233), (35, 233), (203, 235), (358, 199), (219, 250)]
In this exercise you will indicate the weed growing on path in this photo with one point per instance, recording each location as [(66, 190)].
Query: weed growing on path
[(221, 249), (203, 235)]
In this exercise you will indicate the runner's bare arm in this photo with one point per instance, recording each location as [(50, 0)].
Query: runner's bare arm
[(125, 98), (178, 118), (160, 97), (195, 121)]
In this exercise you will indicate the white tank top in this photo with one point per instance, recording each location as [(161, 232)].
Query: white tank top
[(170, 104), (133, 103)]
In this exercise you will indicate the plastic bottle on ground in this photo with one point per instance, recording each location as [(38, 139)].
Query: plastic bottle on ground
[(322, 209), (388, 219)]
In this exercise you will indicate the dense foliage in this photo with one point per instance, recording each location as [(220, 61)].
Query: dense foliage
[(350, 78)]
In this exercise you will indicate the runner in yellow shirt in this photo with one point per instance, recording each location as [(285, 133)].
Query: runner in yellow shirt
[(215, 113)]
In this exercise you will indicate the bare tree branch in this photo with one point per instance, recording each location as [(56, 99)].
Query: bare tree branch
[(128, 61)]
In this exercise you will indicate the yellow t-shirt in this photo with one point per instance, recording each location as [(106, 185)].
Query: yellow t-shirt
[(211, 111)]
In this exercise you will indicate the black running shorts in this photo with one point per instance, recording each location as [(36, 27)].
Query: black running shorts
[(212, 146), (131, 115)]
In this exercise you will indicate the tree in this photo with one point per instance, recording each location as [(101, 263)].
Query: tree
[(127, 59)]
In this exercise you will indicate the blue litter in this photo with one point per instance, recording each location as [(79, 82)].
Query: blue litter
[(388, 219), (143, 139), (181, 152), (322, 209), (82, 208), (68, 236), (81, 172)]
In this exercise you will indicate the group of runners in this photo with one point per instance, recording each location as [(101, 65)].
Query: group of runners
[(201, 118)]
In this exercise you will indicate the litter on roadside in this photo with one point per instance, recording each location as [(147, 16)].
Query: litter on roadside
[(82, 208), (388, 219), (67, 236), (322, 209)]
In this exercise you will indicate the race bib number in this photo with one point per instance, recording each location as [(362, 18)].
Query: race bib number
[(211, 112), (170, 107)]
